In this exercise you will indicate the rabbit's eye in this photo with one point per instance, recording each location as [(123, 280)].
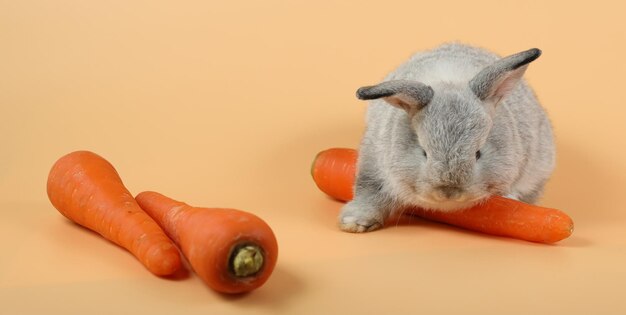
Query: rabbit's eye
[(424, 152), (478, 154)]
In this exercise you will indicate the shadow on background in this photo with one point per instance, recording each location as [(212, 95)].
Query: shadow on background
[(279, 290), (582, 187)]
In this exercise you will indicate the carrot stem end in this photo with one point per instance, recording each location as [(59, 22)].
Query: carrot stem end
[(247, 260)]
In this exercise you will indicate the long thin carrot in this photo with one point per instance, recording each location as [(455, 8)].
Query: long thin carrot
[(334, 172), (231, 250), (87, 189), (507, 217)]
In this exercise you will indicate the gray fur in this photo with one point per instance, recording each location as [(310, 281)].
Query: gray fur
[(427, 157)]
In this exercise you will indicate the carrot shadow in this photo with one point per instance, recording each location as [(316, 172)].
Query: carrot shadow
[(279, 290), (182, 274), (576, 241)]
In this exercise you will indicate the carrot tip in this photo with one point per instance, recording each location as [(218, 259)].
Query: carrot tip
[(246, 260), (313, 164)]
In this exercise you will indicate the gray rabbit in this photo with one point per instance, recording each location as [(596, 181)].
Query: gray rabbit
[(447, 129)]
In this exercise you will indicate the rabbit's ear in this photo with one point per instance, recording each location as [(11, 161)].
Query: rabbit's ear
[(408, 95), (495, 82)]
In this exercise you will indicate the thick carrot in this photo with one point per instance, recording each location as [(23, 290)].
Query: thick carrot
[(333, 171), (497, 215), (87, 189), (231, 250)]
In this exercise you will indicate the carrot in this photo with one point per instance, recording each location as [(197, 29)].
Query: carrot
[(507, 217), (87, 189), (231, 250), (334, 172)]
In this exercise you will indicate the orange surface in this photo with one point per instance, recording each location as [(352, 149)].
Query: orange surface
[(226, 103)]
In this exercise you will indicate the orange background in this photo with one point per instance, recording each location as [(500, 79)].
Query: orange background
[(226, 103)]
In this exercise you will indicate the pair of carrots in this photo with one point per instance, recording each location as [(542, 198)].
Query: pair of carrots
[(231, 250), (334, 170)]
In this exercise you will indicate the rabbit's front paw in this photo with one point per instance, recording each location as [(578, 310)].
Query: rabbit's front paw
[(358, 219)]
